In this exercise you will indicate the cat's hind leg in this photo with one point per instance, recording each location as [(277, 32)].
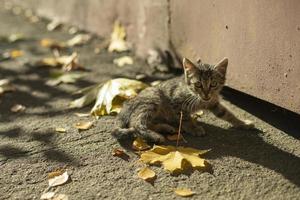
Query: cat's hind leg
[(164, 128)]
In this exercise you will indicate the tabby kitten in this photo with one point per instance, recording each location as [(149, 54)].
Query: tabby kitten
[(157, 109)]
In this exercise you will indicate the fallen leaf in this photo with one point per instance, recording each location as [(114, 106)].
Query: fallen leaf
[(184, 192), (47, 195), (56, 173), (174, 137), (52, 44), (11, 54), (140, 145), (82, 114), (17, 10), (58, 180), (109, 96), (67, 63), (16, 53), (34, 19), (117, 40), (17, 108), (174, 159), (6, 86), (15, 37), (113, 93), (79, 39), (53, 25), (28, 13), (90, 94), (58, 77), (60, 130), (125, 60), (118, 152), (83, 125), (73, 30), (121, 154), (146, 174), (60, 197)]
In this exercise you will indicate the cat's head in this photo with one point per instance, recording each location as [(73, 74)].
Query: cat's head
[(205, 80)]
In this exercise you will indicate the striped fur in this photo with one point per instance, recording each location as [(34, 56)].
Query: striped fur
[(157, 109)]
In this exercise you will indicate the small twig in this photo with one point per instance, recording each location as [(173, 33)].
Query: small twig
[(179, 129)]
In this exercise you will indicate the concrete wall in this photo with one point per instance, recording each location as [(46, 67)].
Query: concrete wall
[(261, 38)]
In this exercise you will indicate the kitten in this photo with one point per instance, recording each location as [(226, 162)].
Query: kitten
[(157, 109)]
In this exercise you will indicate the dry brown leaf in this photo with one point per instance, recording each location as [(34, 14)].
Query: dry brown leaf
[(184, 192), (12, 37), (73, 30), (58, 77), (60, 197), (55, 24), (60, 130), (6, 86), (174, 159), (16, 53), (79, 39), (118, 152), (52, 44), (67, 63), (47, 195), (34, 19), (140, 145), (83, 125), (17, 108), (121, 154), (58, 180), (56, 173), (117, 40), (146, 174), (82, 114), (11, 54), (125, 60), (113, 93)]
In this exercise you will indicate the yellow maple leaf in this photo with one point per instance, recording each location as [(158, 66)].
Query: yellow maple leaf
[(174, 159), (117, 40)]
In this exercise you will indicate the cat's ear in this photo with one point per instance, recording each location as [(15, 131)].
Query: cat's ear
[(189, 69), (221, 67), (188, 66)]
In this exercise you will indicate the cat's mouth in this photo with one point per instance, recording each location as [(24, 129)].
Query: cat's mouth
[(205, 98)]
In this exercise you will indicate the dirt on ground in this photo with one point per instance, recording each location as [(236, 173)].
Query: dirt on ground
[(257, 164)]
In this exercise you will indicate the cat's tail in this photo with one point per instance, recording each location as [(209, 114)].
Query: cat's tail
[(122, 134)]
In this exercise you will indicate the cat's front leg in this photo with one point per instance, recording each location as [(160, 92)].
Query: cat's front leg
[(222, 112), (193, 127)]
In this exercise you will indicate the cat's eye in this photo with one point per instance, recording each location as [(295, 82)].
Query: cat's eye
[(198, 84), (213, 84)]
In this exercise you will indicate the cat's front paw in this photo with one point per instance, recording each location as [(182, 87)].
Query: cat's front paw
[(199, 131), (245, 125)]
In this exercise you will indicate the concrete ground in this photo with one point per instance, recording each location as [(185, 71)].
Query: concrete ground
[(261, 164)]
